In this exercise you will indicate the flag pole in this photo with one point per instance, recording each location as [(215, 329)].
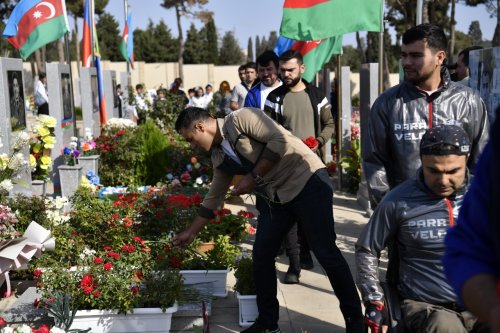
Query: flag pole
[(91, 26), (125, 5), (68, 61), (338, 135), (381, 50), (420, 5)]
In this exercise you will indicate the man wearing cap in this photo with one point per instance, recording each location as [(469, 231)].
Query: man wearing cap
[(426, 98), (412, 221)]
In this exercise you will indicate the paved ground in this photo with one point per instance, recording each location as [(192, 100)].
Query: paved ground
[(310, 306)]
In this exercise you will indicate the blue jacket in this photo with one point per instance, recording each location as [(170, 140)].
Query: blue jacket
[(253, 97), (470, 244)]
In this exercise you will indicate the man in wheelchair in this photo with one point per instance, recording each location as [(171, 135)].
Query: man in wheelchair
[(411, 221)]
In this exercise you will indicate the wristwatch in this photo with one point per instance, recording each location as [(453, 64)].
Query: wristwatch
[(258, 179)]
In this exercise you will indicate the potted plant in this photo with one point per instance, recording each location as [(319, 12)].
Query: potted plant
[(111, 285), (202, 270), (89, 157), (245, 289), (41, 143), (70, 173)]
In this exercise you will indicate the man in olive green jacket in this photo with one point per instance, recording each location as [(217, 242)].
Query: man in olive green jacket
[(249, 143)]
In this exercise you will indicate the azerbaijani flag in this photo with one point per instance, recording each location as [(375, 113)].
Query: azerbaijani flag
[(127, 44), (319, 19), (315, 53), (86, 42), (35, 23)]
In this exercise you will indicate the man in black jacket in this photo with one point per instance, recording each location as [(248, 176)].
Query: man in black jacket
[(303, 110), (412, 221), (427, 97)]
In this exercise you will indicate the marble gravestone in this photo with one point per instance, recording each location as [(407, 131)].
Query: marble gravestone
[(14, 116), (90, 100), (345, 81), (60, 107), (110, 93), (368, 93)]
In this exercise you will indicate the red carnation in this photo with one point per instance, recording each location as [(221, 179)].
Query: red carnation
[(88, 290), (107, 266), (41, 329), (175, 262), (98, 260), (37, 273), (134, 290), (97, 293), (311, 142)]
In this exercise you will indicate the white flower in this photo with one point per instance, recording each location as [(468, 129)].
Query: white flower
[(74, 139), (16, 161), (6, 185), (7, 330), (23, 329), (87, 253), (73, 145), (21, 141), (57, 330)]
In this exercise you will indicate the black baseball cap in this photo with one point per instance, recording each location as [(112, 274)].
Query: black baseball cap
[(445, 140)]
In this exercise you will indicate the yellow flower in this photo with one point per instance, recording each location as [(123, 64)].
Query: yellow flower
[(49, 141), (4, 160), (48, 120), (43, 131), (45, 162), (36, 148), (32, 161)]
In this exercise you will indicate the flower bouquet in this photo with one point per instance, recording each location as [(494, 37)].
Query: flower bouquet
[(42, 141), (12, 166), (71, 152), (88, 145), (8, 223)]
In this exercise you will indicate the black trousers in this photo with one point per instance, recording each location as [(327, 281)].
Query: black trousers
[(312, 207), (43, 109)]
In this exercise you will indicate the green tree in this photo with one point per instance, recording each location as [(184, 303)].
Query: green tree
[(155, 44), (108, 34), (250, 50), (212, 50), (186, 8), (194, 47), (257, 47), (463, 40), (168, 47), (230, 52), (475, 33), (271, 42)]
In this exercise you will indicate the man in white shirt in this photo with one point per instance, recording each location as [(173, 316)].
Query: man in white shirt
[(41, 96), (267, 70)]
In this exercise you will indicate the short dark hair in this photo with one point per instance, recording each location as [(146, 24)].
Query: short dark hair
[(266, 57), (251, 64), (465, 52), (292, 54), (42, 75), (139, 86), (242, 67), (190, 115), (432, 34)]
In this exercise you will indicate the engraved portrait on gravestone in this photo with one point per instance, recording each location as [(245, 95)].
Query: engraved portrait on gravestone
[(95, 93), (16, 100), (66, 97)]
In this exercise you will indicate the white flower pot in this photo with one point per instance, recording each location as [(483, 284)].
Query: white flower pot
[(38, 187), (199, 279), (89, 163), (151, 320), (248, 311), (70, 176)]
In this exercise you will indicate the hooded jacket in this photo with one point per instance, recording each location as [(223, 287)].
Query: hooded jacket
[(412, 221), (399, 118)]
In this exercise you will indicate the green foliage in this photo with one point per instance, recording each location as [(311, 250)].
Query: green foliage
[(243, 272), (351, 164), (475, 33), (230, 52), (108, 34), (28, 209), (155, 44), (225, 223), (194, 46), (161, 289), (222, 256), (151, 166), (212, 51), (250, 56)]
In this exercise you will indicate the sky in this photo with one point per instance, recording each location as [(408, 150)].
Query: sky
[(249, 18)]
